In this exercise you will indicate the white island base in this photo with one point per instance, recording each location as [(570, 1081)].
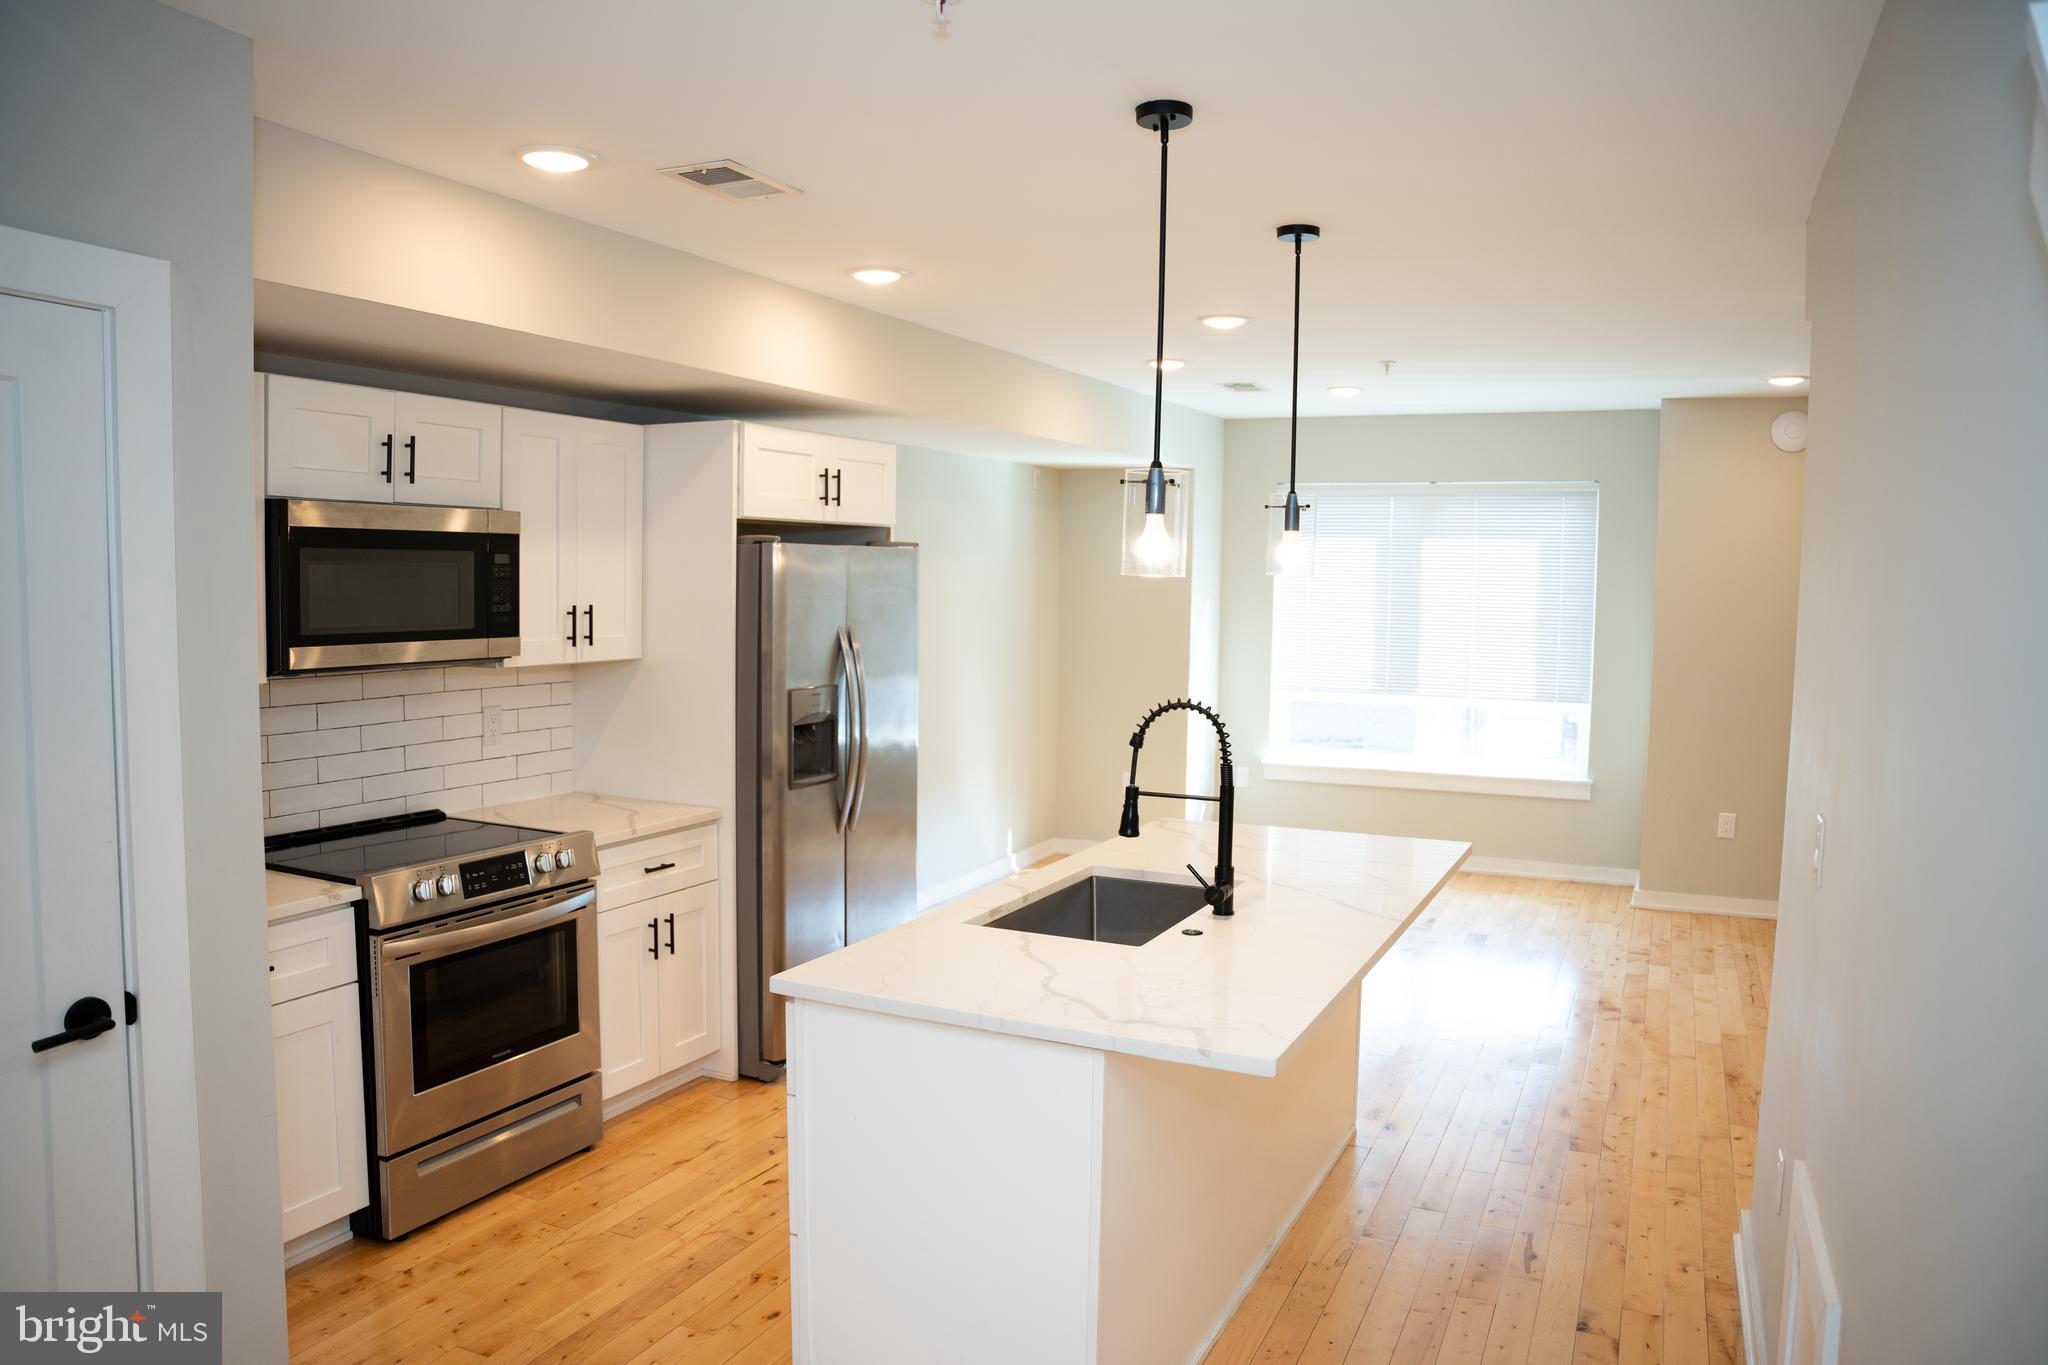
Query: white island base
[(959, 1196)]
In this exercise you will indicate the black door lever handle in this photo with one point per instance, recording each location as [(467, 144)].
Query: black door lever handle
[(87, 1018)]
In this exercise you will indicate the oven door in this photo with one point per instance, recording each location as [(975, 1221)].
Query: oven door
[(481, 1012), (359, 585)]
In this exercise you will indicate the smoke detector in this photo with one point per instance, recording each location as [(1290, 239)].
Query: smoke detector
[(731, 181), (1241, 386)]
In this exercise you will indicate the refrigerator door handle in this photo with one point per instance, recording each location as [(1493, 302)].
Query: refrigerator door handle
[(860, 784), (851, 704)]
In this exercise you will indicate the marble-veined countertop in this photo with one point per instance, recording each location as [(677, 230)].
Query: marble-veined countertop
[(610, 819), (1314, 910)]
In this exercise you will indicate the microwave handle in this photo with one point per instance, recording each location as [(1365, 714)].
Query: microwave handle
[(388, 438)]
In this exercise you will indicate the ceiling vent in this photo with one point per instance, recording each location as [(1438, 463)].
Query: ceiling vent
[(1242, 386), (732, 181)]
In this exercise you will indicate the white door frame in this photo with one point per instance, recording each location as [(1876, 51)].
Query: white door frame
[(133, 297)]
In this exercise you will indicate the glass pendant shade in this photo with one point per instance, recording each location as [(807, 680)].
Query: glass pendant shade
[(1290, 549), (1156, 536)]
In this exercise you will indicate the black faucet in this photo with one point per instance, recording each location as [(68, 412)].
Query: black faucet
[(1215, 894)]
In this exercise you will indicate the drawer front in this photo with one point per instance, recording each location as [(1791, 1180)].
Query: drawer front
[(657, 866), (312, 954)]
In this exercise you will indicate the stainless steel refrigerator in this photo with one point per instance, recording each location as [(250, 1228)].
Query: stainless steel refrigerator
[(827, 762)]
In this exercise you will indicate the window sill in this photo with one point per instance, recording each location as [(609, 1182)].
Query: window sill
[(1351, 775)]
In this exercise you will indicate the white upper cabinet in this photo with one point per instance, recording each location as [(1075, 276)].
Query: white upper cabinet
[(354, 444), (335, 441), (576, 484), (448, 451), (809, 476)]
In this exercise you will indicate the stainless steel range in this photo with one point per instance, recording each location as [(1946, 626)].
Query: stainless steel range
[(479, 950)]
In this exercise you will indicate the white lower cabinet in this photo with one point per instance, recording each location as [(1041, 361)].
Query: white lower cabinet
[(322, 1153), (657, 958)]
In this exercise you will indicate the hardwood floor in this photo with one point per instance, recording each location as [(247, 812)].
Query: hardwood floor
[(1557, 1118)]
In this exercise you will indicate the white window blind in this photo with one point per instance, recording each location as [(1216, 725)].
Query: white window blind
[(1445, 628)]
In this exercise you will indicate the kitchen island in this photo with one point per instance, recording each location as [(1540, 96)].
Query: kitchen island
[(1011, 1146)]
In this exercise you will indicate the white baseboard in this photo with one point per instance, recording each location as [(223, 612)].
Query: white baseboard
[(1551, 872), (1702, 905), (1748, 1297), (661, 1085), (307, 1245), (955, 887)]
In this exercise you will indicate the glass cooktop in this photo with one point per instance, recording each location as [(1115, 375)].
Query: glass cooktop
[(348, 853)]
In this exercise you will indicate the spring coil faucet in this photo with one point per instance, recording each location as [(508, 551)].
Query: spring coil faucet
[(1215, 894)]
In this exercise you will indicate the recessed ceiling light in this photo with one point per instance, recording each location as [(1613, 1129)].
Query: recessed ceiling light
[(1788, 381), (1225, 322), (1169, 364), (1345, 390), (556, 160), (877, 274)]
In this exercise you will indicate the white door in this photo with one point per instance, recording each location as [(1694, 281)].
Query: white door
[(688, 923), (864, 484), (322, 1155), (784, 475), (628, 1009), (537, 447), (326, 440), (602, 500), (449, 451), (67, 1203)]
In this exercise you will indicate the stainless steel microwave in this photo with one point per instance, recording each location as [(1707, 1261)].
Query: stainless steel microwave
[(371, 585)]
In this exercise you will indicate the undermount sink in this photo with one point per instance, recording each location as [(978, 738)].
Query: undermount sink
[(1122, 910)]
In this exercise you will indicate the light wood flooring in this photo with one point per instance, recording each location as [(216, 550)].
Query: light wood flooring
[(1557, 1118)]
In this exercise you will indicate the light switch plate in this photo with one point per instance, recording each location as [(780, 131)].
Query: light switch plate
[(1724, 828)]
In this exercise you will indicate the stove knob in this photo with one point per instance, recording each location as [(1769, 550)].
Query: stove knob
[(423, 889), (447, 884), (544, 862), (566, 859)]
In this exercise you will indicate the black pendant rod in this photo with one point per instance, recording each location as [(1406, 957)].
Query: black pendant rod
[(1294, 406), (1159, 339)]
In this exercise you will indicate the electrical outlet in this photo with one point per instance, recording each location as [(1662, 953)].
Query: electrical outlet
[(1724, 828), (1820, 846), (1781, 1180), (494, 726)]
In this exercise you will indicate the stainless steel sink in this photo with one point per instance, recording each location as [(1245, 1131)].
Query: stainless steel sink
[(1122, 910)]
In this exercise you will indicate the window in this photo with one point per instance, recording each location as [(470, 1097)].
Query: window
[(1447, 631)]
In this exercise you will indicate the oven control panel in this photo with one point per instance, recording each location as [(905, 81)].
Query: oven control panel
[(506, 872), (435, 889)]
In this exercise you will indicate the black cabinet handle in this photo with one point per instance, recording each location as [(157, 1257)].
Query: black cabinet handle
[(590, 625), (658, 867), (387, 458), (572, 625), (412, 459), (87, 1018), (671, 935), (654, 938), (825, 487), (838, 485)]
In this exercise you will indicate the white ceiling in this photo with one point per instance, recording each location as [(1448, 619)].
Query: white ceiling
[(1575, 204)]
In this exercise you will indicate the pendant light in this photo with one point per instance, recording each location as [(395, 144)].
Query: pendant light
[(1290, 540), (1156, 498)]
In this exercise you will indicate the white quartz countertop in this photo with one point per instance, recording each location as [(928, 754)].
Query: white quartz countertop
[(611, 819), (1314, 910), (291, 895)]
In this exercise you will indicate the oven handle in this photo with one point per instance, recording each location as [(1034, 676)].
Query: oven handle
[(452, 940)]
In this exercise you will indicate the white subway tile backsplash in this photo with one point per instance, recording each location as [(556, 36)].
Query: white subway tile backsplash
[(312, 744), (518, 789), (360, 746), (319, 796), (300, 691), (490, 770), (440, 704), (402, 682), (368, 763), (552, 761), (444, 752), (401, 733), (370, 712), (296, 773), (279, 720)]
